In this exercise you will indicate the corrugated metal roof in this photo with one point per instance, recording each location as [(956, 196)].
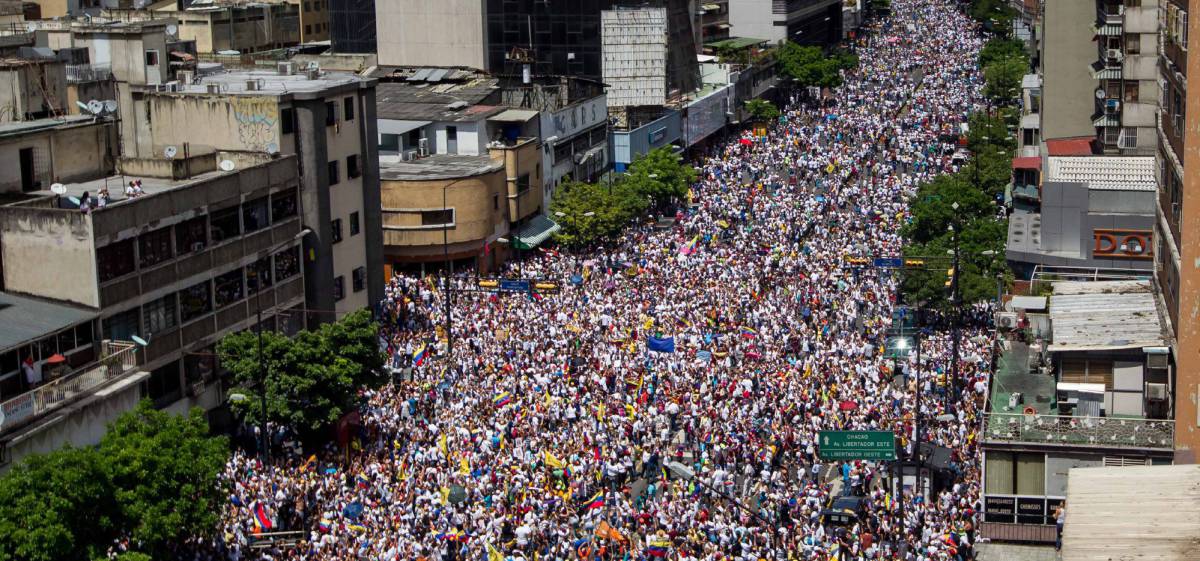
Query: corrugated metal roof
[(24, 319), (1147, 512), (1106, 315), (1116, 173)]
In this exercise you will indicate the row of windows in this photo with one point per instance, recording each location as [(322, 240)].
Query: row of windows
[(172, 310), (63, 342), (287, 115), (321, 27), (1175, 25), (353, 169), (336, 227), (358, 278), (151, 248)]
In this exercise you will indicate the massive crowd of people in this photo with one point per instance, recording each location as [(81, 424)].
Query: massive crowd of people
[(723, 344)]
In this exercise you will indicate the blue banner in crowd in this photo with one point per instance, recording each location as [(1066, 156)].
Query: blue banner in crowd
[(664, 345)]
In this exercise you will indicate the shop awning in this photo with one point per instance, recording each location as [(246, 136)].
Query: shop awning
[(1106, 74), (1109, 30), (182, 55), (710, 7), (535, 232), (1028, 162), (1106, 121)]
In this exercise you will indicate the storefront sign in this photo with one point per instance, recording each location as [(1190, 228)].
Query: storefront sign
[(1123, 244), (999, 509), (575, 118), (1031, 510), (16, 410)]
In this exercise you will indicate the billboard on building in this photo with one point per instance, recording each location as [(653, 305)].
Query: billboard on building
[(634, 58)]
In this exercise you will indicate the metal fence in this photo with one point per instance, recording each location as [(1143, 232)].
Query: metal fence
[(77, 73), (116, 358), (1094, 431)]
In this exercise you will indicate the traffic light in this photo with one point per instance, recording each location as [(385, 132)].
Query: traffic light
[(949, 277)]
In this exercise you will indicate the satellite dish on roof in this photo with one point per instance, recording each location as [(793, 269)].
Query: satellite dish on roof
[(1100, 93), (272, 148), (95, 107), (172, 29), (170, 152), (58, 189), (110, 106), (139, 340), (83, 106), (31, 27), (227, 165)]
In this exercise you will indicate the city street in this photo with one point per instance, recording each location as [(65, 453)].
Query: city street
[(664, 402)]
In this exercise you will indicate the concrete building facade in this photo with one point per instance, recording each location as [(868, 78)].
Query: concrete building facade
[(808, 22), (328, 121)]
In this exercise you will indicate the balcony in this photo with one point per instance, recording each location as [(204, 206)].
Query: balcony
[(117, 359), (82, 73), (1059, 430)]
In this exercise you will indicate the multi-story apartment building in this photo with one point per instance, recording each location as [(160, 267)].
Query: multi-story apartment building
[(215, 239), (328, 121), (808, 22), (713, 21), (1101, 81), (1178, 233)]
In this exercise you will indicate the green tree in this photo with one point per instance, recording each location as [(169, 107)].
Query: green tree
[(163, 470), (56, 506), (808, 66), (999, 49), (762, 110), (153, 479), (996, 15), (661, 176), (611, 211), (312, 379), (1003, 79)]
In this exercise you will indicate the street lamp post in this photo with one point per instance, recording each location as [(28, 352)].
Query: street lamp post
[(686, 473)]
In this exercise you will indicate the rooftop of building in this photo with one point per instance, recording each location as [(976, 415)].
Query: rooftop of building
[(1104, 316), (1150, 513), (24, 319), (441, 95), (273, 82), (18, 128), (735, 43), (438, 167), (1111, 173), (1073, 146)]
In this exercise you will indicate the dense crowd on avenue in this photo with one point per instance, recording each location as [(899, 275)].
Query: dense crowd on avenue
[(723, 343)]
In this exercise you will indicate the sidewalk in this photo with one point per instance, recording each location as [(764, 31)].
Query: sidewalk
[(991, 551)]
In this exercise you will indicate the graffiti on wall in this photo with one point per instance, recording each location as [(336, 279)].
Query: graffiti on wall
[(256, 119)]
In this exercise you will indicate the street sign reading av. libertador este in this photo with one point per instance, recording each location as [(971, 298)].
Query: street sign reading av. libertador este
[(856, 445)]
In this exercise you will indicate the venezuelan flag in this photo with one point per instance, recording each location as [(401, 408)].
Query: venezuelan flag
[(420, 356), (597, 501), (749, 332), (502, 399), (260, 516)]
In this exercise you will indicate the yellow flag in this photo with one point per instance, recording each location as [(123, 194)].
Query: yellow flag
[(553, 461), (494, 555), (464, 468), (629, 410), (443, 446), (445, 496)]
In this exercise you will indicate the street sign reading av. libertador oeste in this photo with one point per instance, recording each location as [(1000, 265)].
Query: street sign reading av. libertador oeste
[(857, 445)]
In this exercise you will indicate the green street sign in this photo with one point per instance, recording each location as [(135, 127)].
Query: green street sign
[(857, 445)]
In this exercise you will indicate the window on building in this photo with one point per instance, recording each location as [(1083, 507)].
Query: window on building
[(287, 264), (1128, 138), (159, 315), (1178, 111), (495, 201), (66, 341), (225, 224), (359, 277), (1131, 91), (287, 120), (352, 169), (122, 326), (330, 113), (339, 288), (389, 143), (348, 108), (255, 215), (523, 183), (229, 288), (258, 275), (195, 301), (283, 206), (83, 334), (191, 236), (163, 386), (307, 29), (562, 151), (335, 227), (1028, 137), (151, 58), (354, 226), (437, 217), (1111, 136), (155, 247), (115, 260), (333, 173), (1133, 43)]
